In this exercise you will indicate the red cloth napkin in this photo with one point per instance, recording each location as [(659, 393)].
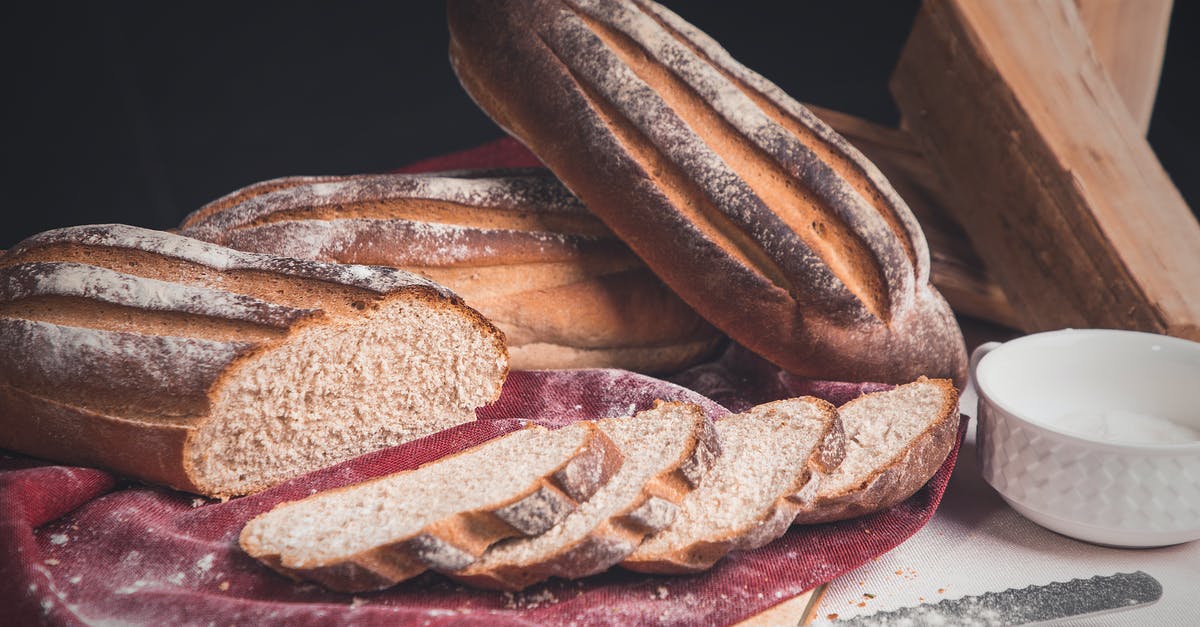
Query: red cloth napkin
[(84, 546)]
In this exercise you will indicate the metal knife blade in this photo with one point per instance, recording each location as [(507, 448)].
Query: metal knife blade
[(1023, 606)]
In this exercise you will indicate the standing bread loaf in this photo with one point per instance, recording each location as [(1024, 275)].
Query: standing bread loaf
[(515, 244), (220, 372), (758, 214)]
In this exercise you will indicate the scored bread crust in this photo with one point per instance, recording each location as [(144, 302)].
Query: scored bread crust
[(803, 253), (116, 340), (902, 474), (515, 244), (617, 537), (453, 543), (702, 553)]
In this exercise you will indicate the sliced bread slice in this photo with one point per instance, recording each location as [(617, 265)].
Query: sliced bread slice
[(668, 450), (442, 515), (770, 459), (895, 441)]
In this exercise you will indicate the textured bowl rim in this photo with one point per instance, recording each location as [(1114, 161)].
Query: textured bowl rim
[(1165, 448)]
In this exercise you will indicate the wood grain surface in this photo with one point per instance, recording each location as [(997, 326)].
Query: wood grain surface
[(1052, 177)]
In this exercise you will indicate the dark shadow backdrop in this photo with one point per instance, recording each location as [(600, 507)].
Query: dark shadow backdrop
[(140, 112)]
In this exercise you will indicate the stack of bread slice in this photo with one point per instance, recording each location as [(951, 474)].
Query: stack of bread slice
[(666, 491)]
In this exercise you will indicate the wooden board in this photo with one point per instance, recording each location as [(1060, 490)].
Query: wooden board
[(1129, 38), (1051, 175), (798, 610)]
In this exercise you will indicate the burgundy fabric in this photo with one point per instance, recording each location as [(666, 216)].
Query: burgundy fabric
[(84, 546)]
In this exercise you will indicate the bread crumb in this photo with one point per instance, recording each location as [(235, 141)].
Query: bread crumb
[(59, 539), (197, 503), (660, 592), (528, 601), (223, 586), (357, 602), (75, 580), (51, 562)]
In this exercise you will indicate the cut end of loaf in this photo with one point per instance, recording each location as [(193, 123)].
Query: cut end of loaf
[(746, 498), (597, 535), (333, 391), (440, 516), (895, 441)]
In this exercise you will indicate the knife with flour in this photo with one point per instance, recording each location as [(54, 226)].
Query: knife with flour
[(1077, 598)]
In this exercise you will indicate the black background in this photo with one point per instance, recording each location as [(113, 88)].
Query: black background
[(142, 112)]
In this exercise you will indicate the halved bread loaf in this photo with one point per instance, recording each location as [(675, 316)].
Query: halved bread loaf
[(754, 211), (515, 244), (215, 371), (895, 441), (772, 457), (667, 451), (442, 515)]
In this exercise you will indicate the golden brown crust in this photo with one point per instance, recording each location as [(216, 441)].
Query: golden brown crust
[(45, 428), (756, 213), (514, 243)]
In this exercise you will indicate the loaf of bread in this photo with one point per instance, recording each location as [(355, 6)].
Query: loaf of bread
[(668, 451), (440, 516), (516, 245), (758, 214), (215, 371)]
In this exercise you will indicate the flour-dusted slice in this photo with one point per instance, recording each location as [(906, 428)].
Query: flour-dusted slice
[(442, 515), (772, 457), (895, 441), (216, 371), (668, 450)]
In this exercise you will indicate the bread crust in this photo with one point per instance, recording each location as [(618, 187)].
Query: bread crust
[(901, 476), (701, 554), (115, 340), (614, 539), (515, 244), (453, 543), (613, 97)]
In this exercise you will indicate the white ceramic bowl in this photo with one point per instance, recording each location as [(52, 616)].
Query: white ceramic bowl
[(1098, 483)]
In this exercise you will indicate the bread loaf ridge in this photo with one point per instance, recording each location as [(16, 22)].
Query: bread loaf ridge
[(758, 214), (221, 372), (515, 244)]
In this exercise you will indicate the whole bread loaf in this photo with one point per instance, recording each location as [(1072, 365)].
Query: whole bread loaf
[(215, 371), (516, 245), (758, 214)]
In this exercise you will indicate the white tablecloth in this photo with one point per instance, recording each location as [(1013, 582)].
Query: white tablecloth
[(976, 543)]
